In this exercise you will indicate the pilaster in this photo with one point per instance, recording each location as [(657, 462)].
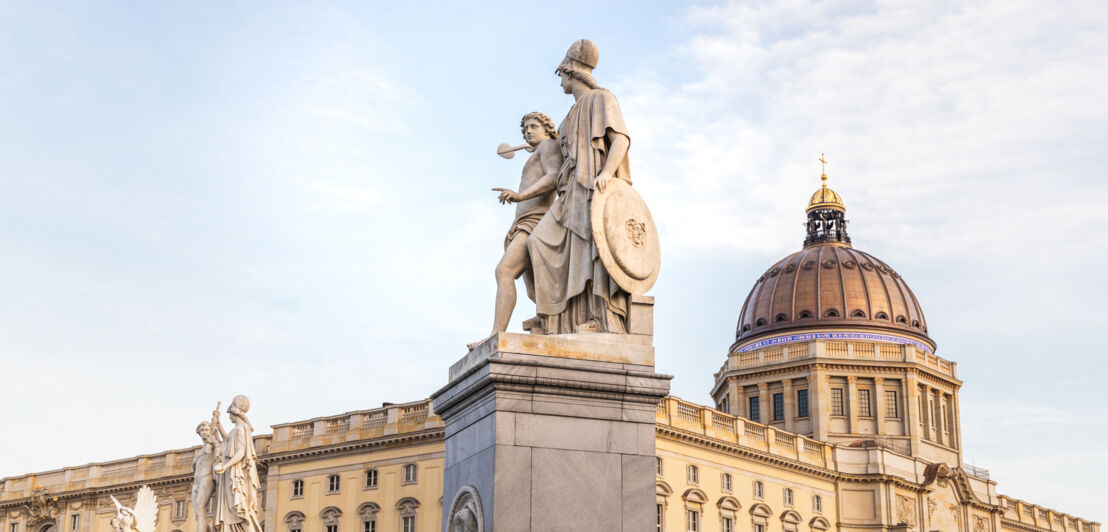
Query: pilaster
[(790, 409), (763, 402), (852, 403), (879, 405)]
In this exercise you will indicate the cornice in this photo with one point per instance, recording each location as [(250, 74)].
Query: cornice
[(426, 435), (835, 364), (104, 490), (720, 445)]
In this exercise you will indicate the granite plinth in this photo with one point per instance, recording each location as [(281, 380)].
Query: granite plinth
[(555, 432)]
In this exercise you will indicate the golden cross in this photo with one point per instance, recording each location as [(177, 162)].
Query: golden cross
[(823, 167)]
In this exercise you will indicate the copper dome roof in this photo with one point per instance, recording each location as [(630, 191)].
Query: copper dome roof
[(828, 284)]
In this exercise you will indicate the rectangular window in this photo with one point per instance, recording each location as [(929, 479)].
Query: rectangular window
[(864, 409), (75, 519), (802, 403), (369, 526), (891, 410), (660, 519), (409, 473), (371, 478), (759, 528), (726, 482), (728, 524), (755, 412), (409, 523), (837, 407), (179, 510), (333, 484), (694, 475), (332, 528), (946, 426), (778, 406), (817, 503), (15, 527), (659, 465), (298, 488), (694, 521)]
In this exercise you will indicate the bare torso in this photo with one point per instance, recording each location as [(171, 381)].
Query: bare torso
[(532, 172)]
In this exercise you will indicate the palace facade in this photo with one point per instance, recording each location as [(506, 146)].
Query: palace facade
[(832, 413)]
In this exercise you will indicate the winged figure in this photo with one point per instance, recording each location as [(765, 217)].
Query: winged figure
[(142, 517)]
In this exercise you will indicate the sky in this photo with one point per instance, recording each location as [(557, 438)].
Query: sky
[(292, 201)]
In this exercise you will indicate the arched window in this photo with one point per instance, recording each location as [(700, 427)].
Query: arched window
[(333, 484), (858, 313), (805, 314), (409, 474), (780, 318), (759, 517), (759, 490), (663, 492), (902, 319), (761, 322), (408, 507), (694, 509), (788, 497), (881, 316), (693, 474), (330, 517), (790, 521), (831, 313), (294, 521), (368, 512), (728, 513), (371, 479), (725, 482)]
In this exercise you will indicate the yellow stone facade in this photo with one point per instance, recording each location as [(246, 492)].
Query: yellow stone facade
[(833, 412)]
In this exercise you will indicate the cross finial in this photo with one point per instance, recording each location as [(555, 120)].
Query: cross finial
[(823, 168)]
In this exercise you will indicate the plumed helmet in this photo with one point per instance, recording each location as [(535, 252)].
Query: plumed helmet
[(239, 405), (584, 52)]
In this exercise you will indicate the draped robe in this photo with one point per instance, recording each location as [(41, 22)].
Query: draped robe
[(572, 287)]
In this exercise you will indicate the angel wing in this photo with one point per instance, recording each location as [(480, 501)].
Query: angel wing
[(145, 510)]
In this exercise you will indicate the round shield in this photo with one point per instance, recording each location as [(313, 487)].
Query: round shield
[(626, 237)]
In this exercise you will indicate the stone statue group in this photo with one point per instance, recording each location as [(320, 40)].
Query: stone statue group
[(582, 239), (226, 467)]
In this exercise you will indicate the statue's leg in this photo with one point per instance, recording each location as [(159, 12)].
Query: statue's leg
[(513, 262), (511, 265)]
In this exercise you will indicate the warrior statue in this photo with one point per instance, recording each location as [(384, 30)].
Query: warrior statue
[(573, 291), (203, 483), (236, 498)]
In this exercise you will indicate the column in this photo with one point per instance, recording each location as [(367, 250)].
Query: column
[(734, 391), (852, 404), (763, 402), (879, 405), (790, 410), (819, 401), (911, 410), (956, 426)]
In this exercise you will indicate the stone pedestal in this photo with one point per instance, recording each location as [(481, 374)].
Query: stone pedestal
[(553, 433)]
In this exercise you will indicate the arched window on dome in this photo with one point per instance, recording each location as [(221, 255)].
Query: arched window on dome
[(746, 327), (915, 323), (881, 316), (805, 314), (902, 319), (780, 318), (831, 313), (761, 322), (858, 313)]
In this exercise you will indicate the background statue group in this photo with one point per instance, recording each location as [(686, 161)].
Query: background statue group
[(551, 242), (226, 467)]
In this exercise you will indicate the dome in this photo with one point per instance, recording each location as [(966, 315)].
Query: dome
[(825, 198), (828, 285)]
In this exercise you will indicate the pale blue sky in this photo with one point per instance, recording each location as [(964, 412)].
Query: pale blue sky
[(292, 202)]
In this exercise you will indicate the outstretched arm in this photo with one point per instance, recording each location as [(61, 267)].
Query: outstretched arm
[(617, 151), (550, 158)]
